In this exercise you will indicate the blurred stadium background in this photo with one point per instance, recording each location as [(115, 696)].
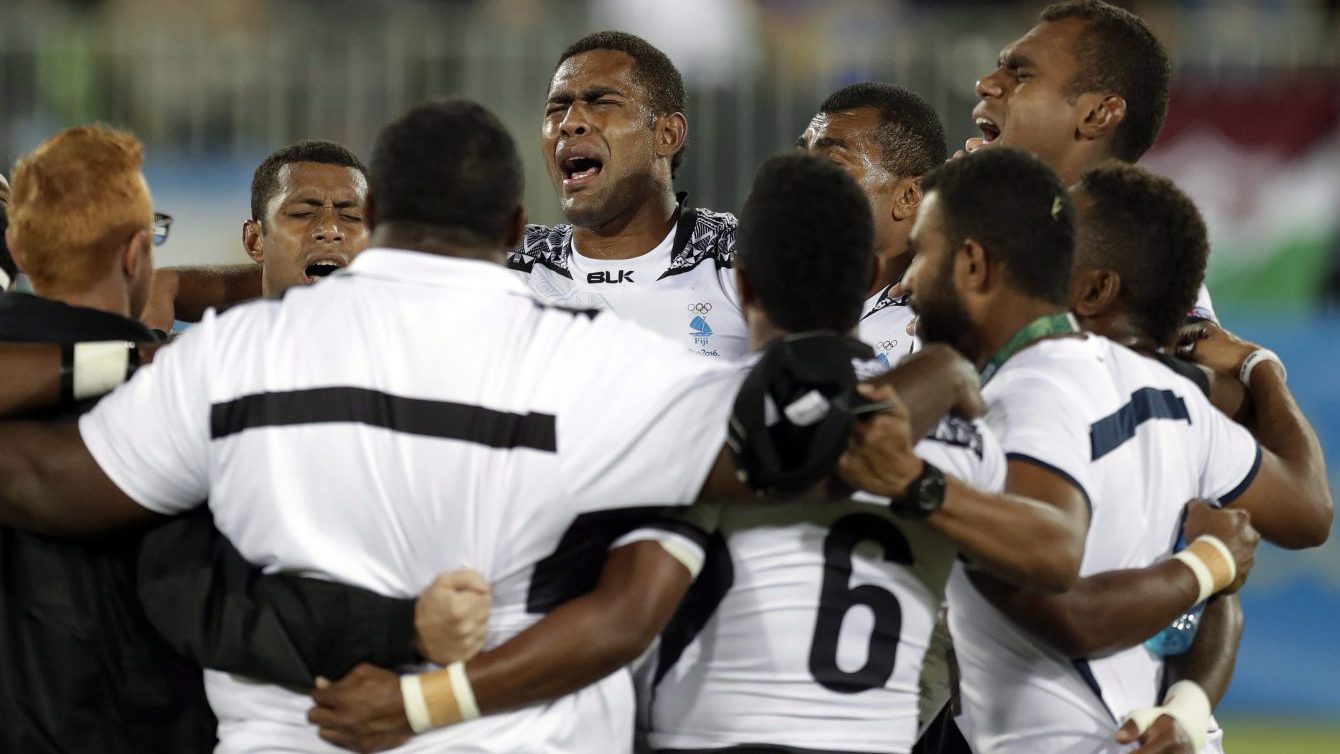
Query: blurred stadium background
[(1253, 135)]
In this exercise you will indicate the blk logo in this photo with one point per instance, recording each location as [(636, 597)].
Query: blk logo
[(623, 276)]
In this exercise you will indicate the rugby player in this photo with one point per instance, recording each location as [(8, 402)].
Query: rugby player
[(613, 136), (1088, 83), (886, 138), (520, 459), (1058, 400), (306, 222)]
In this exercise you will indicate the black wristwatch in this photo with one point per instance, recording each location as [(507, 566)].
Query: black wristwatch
[(924, 495)]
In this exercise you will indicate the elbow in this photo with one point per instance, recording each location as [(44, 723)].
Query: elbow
[(1310, 527), (627, 642), (1055, 570)]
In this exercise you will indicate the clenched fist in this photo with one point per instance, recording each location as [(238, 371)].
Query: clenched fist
[(451, 617)]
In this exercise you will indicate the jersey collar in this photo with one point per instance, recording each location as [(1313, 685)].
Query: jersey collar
[(419, 267)]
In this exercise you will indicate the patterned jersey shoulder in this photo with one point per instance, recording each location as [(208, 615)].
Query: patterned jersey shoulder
[(712, 237), (548, 245)]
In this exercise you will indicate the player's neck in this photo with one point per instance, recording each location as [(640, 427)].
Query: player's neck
[(433, 240), (762, 331), (106, 296), (1006, 317), (632, 233), (1123, 331), (891, 270)]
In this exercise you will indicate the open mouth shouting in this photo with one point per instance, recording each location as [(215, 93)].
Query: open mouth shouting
[(580, 166), (323, 265), (989, 128)]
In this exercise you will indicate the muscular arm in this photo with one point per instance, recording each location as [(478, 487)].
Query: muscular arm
[(1032, 535), (30, 375), (197, 289), (1102, 613), (933, 382), (573, 646), (223, 613), (1290, 498), (586, 639), (49, 483)]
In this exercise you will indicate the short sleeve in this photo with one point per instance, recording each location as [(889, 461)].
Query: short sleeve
[(648, 428), (966, 450), (1031, 417), (1232, 456), (151, 435)]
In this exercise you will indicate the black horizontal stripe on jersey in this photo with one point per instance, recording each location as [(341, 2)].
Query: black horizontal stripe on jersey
[(415, 416)]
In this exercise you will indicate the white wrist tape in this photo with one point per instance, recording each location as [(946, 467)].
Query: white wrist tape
[(1189, 708), (1256, 358), (99, 367), (465, 693), (1211, 562), (416, 704)]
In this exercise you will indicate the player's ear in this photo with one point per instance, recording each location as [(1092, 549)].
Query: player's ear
[(672, 131), (251, 240), (369, 212), (906, 198), (137, 254), (972, 267), (1094, 292), (1102, 117), (516, 231)]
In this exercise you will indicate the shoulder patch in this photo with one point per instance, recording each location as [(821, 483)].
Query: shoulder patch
[(712, 237), (547, 245), (960, 433)]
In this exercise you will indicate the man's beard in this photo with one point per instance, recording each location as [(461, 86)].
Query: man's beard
[(944, 319)]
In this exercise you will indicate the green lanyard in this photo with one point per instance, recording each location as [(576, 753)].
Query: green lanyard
[(1042, 327)]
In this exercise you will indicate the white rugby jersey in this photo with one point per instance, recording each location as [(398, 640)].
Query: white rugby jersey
[(1140, 441), (683, 289), (884, 326), (809, 622), (415, 414)]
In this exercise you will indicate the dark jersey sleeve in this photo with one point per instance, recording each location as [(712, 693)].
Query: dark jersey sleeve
[(1187, 370), (223, 613)]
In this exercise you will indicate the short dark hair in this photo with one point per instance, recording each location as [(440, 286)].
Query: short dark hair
[(265, 181), (1119, 53), (449, 164), (806, 243), (1144, 228), (910, 133), (1012, 204), (661, 83)]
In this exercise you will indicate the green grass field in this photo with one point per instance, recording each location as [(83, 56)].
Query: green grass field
[(1244, 735)]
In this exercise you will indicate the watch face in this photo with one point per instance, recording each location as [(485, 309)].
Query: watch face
[(930, 490)]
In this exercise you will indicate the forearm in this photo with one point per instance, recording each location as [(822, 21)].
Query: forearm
[(29, 377), (585, 639), (218, 287), (930, 383), (50, 484), (1102, 613), (1281, 427), (1213, 654), (1022, 541)]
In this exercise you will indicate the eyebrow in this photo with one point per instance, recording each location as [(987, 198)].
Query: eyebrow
[(828, 142), (313, 202), (1012, 59), (565, 97)]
